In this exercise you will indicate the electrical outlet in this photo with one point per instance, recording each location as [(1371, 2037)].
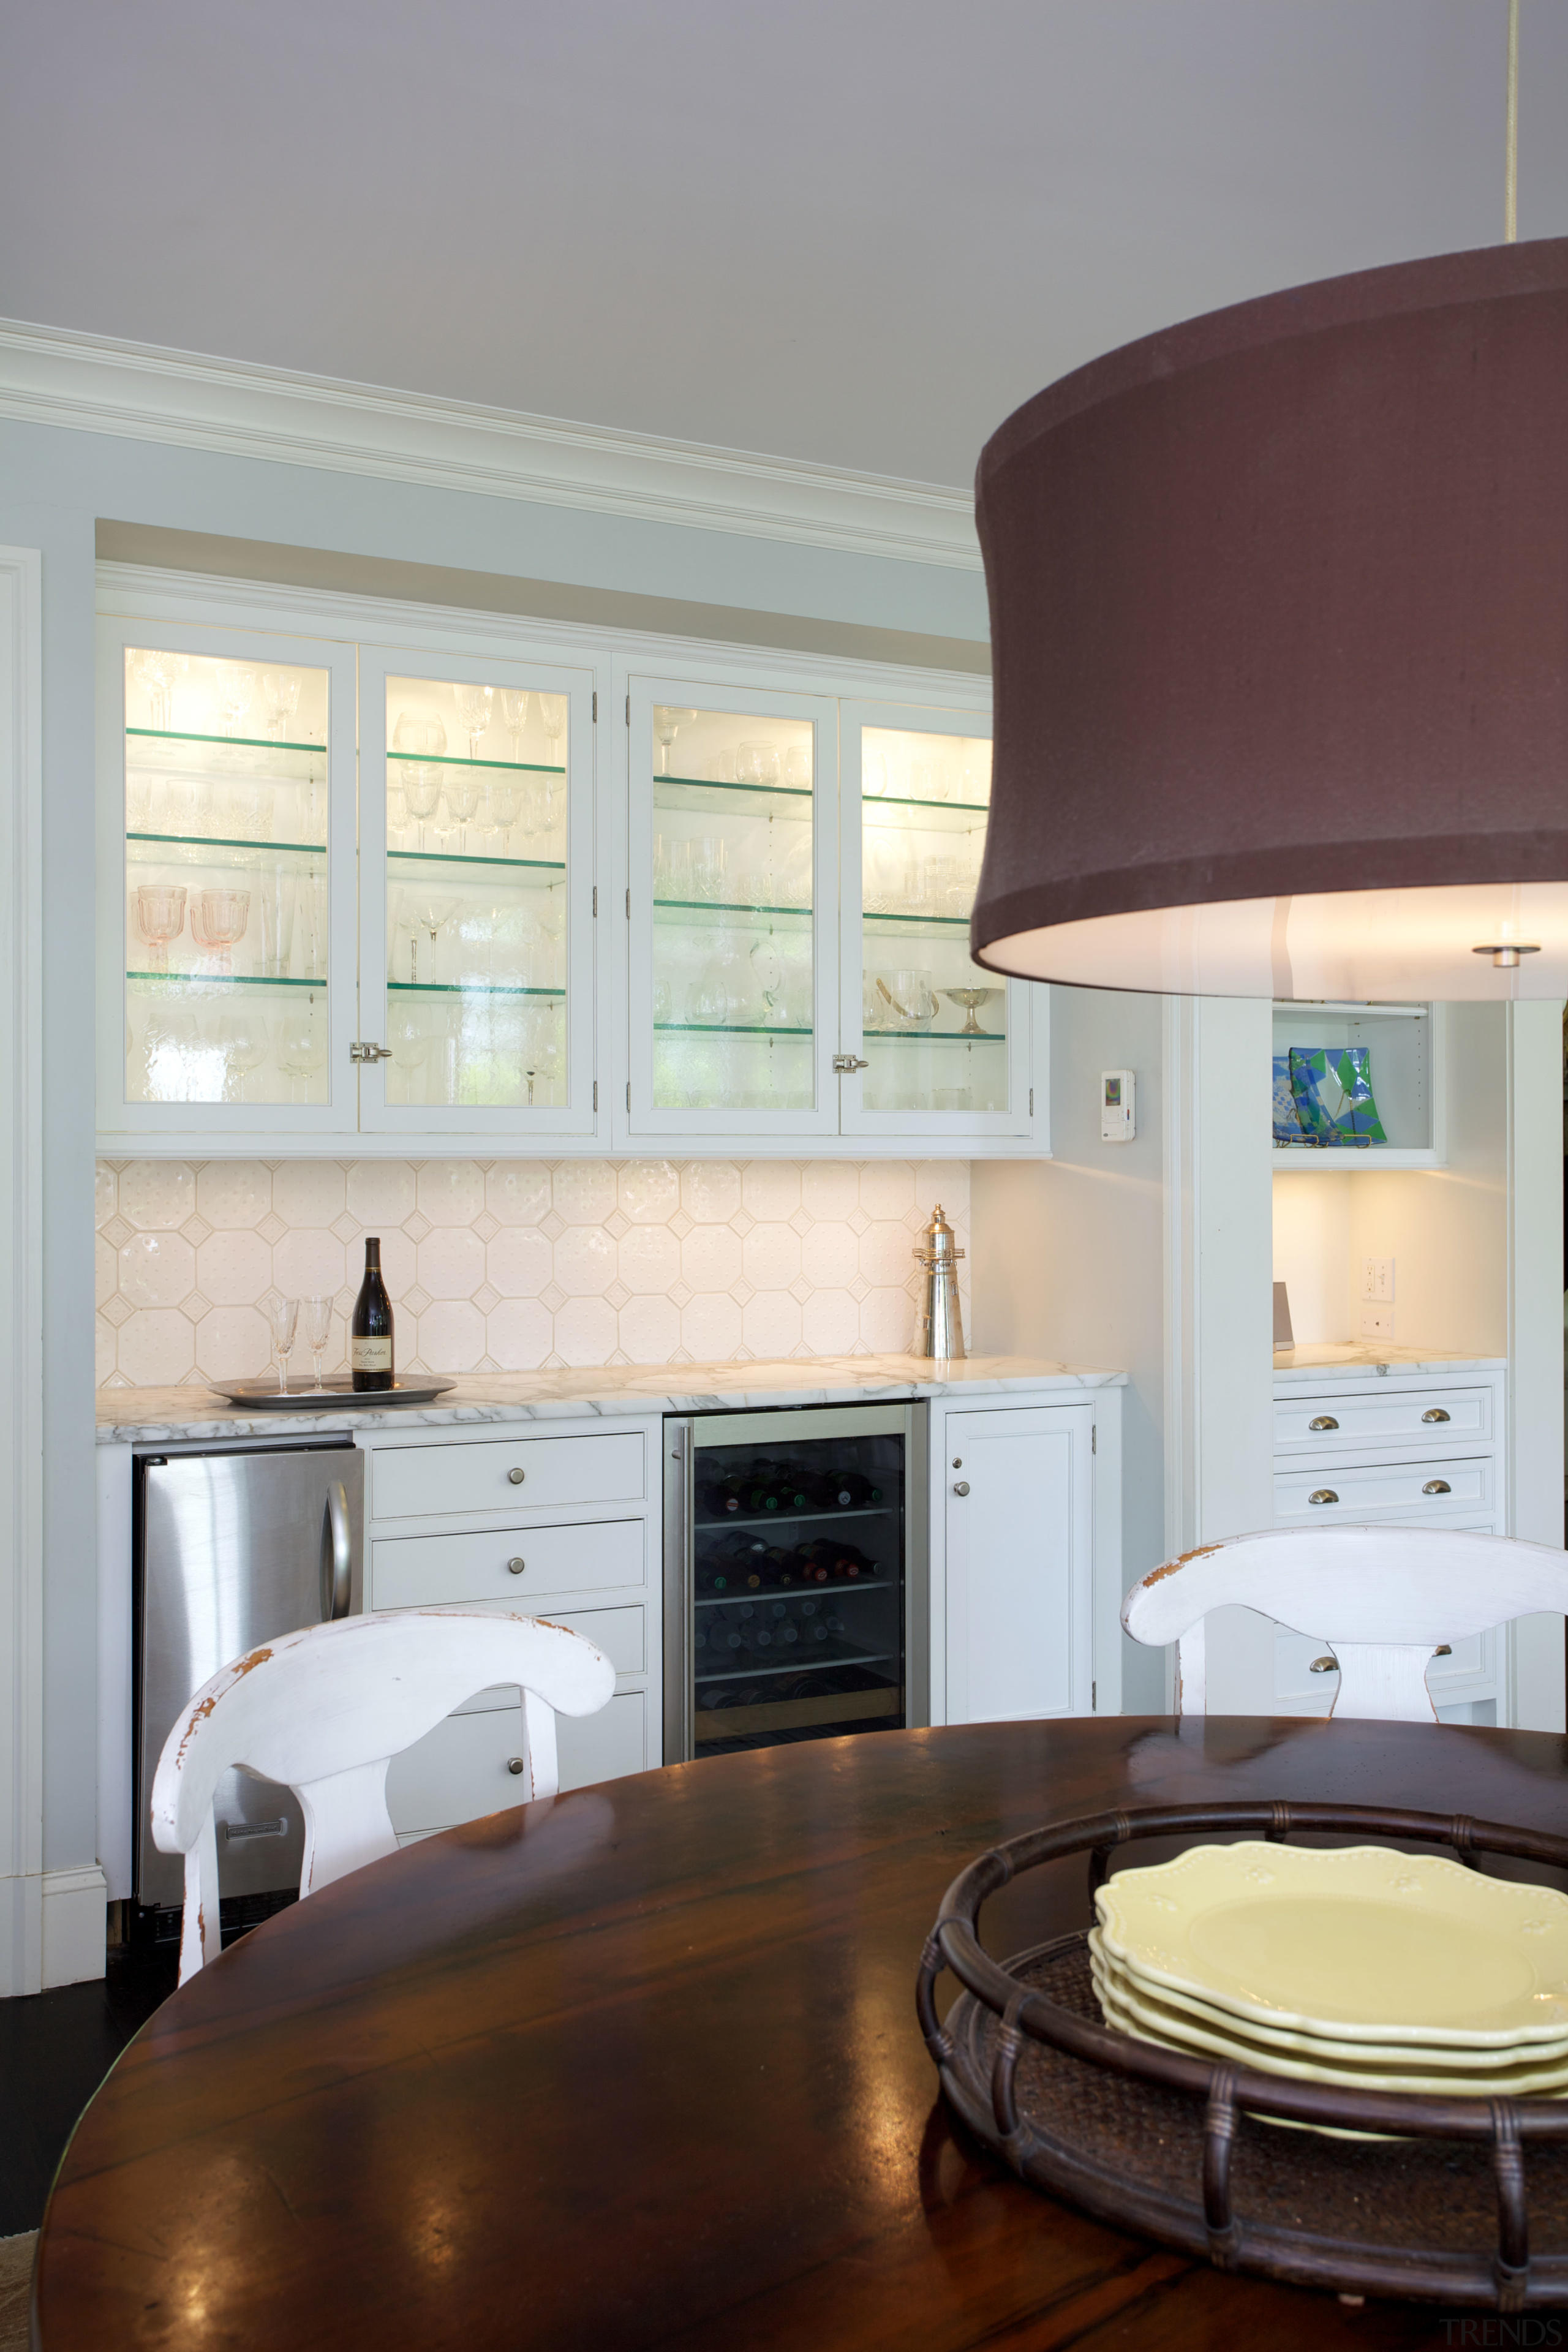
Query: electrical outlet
[(1377, 1322), (1377, 1278)]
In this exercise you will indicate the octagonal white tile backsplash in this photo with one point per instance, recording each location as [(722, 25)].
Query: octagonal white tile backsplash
[(508, 1265)]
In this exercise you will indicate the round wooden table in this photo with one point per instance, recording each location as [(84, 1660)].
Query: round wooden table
[(641, 2067)]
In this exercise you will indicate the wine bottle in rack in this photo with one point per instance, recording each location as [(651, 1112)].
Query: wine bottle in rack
[(371, 1363)]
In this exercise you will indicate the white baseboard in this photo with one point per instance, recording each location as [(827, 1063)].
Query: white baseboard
[(73, 1906)]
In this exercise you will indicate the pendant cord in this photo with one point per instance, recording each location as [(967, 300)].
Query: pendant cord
[(1510, 165)]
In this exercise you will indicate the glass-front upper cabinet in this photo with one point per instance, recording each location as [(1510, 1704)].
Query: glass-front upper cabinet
[(942, 1047), (733, 865), (227, 964), (476, 933)]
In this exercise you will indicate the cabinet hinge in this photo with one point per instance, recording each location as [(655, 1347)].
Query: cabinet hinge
[(1031, 1102), (629, 1094), (628, 710), (596, 898), (1093, 1699), (628, 904), (595, 1093), (1094, 1437), (596, 707)]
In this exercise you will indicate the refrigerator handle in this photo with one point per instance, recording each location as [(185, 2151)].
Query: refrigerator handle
[(337, 1553)]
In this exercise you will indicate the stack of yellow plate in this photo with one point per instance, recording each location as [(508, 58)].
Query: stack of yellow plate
[(1359, 1966)]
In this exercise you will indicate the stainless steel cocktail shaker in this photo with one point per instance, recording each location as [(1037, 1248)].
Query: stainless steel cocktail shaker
[(939, 1328)]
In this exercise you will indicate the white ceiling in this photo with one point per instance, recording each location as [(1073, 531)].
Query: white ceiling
[(857, 231)]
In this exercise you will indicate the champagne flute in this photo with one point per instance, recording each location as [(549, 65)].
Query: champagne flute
[(474, 712), (282, 1314), (514, 717), (318, 1331)]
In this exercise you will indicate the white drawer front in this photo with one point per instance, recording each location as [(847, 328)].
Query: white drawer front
[(459, 1772), (412, 1480), (413, 1571), (1299, 1691), (1413, 1419), (1426, 1492), (602, 1747), (619, 1632)]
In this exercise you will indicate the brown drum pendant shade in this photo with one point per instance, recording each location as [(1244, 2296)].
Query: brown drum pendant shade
[(1279, 618)]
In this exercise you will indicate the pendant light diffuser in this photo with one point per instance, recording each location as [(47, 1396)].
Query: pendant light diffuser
[(1279, 620)]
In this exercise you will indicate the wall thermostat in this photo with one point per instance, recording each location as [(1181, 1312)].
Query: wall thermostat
[(1117, 1107)]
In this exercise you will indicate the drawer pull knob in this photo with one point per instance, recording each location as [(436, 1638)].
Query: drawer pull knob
[(1324, 1421), (516, 1478), (1435, 1413), (1324, 1494), (961, 1485), (1436, 1486), (515, 1764), (1324, 1666), (516, 1567)]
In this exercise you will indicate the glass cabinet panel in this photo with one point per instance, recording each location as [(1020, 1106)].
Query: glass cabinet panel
[(226, 848), (934, 1025), (728, 845), (477, 908)]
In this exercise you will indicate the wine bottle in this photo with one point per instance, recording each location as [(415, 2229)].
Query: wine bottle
[(371, 1361)]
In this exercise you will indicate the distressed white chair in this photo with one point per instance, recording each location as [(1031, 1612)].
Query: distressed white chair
[(324, 1711), (1385, 1601)]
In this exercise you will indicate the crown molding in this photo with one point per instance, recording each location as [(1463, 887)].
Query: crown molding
[(98, 384)]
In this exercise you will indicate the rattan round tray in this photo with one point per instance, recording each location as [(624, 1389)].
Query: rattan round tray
[(1446, 2208)]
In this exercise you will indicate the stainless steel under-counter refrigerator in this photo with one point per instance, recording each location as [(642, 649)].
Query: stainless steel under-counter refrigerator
[(795, 1586), (233, 1547)]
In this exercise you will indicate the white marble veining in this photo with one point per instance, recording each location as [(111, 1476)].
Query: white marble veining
[(1353, 1359), (164, 1416)]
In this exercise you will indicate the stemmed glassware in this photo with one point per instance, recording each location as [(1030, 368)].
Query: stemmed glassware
[(427, 737), (235, 688), (474, 712), (553, 711), (767, 967), (421, 796), (240, 1036), (160, 918), (281, 692), (300, 1047), (157, 672), (431, 913), (409, 1045), (318, 1331), (282, 1315), (668, 723), (506, 807), (514, 717), (218, 921), (462, 799)]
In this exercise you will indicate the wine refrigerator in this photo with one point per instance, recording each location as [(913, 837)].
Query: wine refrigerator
[(795, 1586)]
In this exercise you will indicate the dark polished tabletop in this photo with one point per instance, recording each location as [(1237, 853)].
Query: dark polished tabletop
[(641, 2067)]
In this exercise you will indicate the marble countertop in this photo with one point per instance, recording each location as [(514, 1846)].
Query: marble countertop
[(163, 1416), (1347, 1357)]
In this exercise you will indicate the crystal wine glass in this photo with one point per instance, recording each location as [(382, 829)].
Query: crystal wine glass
[(160, 918), (157, 672), (281, 692), (218, 922), (241, 1037), (767, 967), (300, 1047), (514, 716), (971, 999), (431, 914), (506, 807), (474, 712), (462, 799), (282, 1315), (318, 1331), (236, 686), (668, 723), (424, 736), (553, 711), (421, 794), (409, 1045)]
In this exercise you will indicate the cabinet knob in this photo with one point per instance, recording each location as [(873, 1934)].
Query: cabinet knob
[(1324, 1421), (1324, 1494), (516, 1567), (1436, 1486), (1436, 1414), (516, 1478), (515, 1764), (961, 1485)]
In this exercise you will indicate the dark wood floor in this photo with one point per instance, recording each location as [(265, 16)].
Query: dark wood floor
[(54, 2050)]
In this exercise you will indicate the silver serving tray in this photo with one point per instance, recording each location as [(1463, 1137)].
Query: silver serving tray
[(336, 1391)]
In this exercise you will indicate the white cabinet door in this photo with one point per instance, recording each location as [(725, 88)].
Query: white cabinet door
[(476, 927), (939, 1049), (1017, 1495)]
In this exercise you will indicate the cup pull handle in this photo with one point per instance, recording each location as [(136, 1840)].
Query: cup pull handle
[(1324, 1666), (1324, 1421), (1324, 1494), (1436, 1486), (1436, 1414)]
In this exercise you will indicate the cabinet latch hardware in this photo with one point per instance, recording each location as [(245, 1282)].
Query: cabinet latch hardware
[(961, 1485), (1324, 1494), (1324, 1666), (1436, 1486), (1324, 1421), (845, 1064), (360, 1053), (1436, 1414), (515, 1764)]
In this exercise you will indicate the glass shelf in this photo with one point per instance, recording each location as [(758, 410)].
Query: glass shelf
[(933, 1037), (810, 1662), (447, 760), (724, 1029), (230, 742), (674, 793), (452, 857), (704, 914), (925, 816), (223, 756), (465, 988), (173, 982), (218, 841), (932, 922)]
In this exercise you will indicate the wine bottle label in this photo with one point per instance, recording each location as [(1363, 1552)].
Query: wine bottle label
[(370, 1355)]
